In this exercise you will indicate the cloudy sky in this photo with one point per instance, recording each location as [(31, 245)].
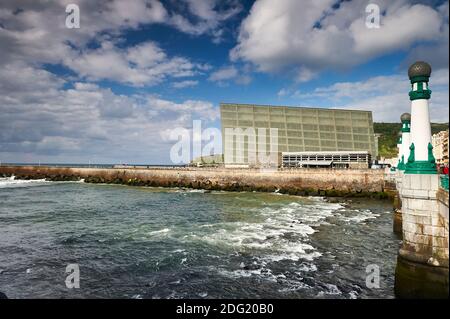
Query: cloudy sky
[(112, 90)]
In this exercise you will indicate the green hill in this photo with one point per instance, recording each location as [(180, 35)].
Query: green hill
[(387, 142)]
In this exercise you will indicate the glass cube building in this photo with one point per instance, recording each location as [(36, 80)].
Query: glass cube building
[(299, 129)]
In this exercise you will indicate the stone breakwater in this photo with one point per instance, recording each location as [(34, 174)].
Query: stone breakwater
[(305, 182)]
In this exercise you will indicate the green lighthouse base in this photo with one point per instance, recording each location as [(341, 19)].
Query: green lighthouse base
[(420, 167), (401, 164)]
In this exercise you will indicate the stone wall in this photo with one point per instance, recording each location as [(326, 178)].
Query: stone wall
[(442, 197), (325, 182), (422, 265), (425, 231)]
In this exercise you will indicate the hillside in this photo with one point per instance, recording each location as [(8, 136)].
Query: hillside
[(387, 143)]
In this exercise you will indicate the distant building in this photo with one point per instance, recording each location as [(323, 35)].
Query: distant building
[(440, 147), (208, 160), (312, 130), (326, 159)]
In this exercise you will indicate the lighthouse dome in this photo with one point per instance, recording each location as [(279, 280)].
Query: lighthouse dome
[(405, 117), (420, 68)]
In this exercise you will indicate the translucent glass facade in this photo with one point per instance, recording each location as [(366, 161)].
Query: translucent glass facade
[(300, 129)]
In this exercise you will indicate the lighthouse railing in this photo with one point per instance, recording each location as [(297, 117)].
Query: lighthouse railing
[(444, 181)]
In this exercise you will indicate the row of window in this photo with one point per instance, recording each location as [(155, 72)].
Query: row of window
[(338, 158), (289, 119), (305, 125), (304, 147), (227, 109), (317, 137), (239, 156), (292, 118)]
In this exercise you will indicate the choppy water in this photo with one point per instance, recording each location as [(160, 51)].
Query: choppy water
[(134, 242)]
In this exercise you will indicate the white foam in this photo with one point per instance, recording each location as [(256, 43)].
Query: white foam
[(332, 290), (353, 294), (294, 286), (186, 191), (306, 268), (282, 233), (12, 182), (158, 232), (259, 272), (360, 216)]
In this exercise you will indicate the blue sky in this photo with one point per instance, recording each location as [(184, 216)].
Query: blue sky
[(114, 89)]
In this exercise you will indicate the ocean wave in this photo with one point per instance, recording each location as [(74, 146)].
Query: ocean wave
[(282, 233), (261, 272), (189, 191), (359, 216), (12, 182), (159, 232), (330, 289)]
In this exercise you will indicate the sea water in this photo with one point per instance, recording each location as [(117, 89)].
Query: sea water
[(139, 242)]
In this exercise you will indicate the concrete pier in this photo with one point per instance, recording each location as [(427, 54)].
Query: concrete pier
[(309, 182)]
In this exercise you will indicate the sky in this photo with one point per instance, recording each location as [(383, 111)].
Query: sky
[(115, 89)]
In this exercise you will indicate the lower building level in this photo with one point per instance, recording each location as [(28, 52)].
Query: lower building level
[(352, 159)]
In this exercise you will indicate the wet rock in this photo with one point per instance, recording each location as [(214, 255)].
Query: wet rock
[(3, 296)]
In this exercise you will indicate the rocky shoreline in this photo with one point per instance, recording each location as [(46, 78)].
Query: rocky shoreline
[(208, 182)]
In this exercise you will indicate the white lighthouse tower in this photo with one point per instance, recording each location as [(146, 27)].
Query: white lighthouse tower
[(405, 140), (422, 263), (399, 148), (420, 159)]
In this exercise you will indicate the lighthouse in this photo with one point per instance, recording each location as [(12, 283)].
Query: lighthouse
[(420, 159), (399, 148), (422, 263), (405, 140)]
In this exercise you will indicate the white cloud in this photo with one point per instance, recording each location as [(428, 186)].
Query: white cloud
[(283, 92), (43, 121), (184, 84), (228, 73), (209, 15), (37, 34), (311, 36), (386, 96), (143, 64)]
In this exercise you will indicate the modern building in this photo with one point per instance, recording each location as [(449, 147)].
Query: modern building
[(440, 147), (298, 130), (354, 159)]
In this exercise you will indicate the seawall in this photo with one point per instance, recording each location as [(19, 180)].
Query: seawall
[(312, 182)]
